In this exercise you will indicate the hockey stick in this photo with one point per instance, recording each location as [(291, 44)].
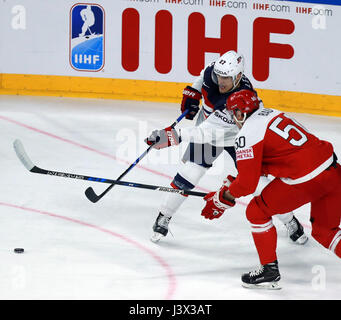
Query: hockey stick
[(26, 161), (90, 193), (90, 31)]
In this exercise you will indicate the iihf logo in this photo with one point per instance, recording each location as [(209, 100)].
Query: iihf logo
[(87, 37)]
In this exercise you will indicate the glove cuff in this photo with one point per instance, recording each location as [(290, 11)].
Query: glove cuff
[(230, 203), (172, 136), (228, 180), (192, 92)]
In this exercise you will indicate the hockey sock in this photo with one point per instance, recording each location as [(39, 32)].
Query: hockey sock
[(266, 244), (171, 204)]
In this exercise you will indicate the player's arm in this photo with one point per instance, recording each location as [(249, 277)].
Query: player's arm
[(245, 183), (169, 136), (207, 132)]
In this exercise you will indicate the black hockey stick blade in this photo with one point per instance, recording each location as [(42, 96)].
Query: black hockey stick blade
[(92, 196)]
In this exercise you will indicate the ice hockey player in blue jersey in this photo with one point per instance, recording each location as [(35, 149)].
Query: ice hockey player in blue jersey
[(213, 133)]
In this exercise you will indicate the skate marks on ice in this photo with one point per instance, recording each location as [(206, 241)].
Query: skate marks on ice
[(205, 258)]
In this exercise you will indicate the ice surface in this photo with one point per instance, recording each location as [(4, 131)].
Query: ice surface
[(75, 249)]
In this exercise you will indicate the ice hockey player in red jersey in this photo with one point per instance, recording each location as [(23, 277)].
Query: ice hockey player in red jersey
[(304, 168), (213, 133)]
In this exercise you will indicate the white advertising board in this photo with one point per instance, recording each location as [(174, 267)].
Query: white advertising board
[(290, 46)]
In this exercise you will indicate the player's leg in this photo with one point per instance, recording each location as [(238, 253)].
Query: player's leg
[(187, 177), (326, 212), (276, 198), (265, 239), (196, 161), (84, 28), (295, 230)]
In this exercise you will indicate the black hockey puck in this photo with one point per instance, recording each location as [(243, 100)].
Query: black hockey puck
[(19, 250)]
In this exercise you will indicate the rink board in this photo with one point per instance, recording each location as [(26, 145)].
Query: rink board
[(149, 50), (143, 90)]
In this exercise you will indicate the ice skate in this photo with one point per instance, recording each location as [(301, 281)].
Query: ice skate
[(296, 231), (266, 277), (160, 227)]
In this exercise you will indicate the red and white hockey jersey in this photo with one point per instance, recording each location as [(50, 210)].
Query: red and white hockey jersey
[(271, 143)]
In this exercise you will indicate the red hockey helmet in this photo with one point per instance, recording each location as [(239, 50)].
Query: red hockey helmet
[(242, 102)]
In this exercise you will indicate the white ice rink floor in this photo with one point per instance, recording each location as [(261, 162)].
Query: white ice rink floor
[(75, 249)]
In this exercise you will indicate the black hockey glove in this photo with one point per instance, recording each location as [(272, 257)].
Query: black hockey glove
[(190, 101)]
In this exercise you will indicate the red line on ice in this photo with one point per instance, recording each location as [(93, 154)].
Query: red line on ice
[(97, 151), (163, 263), (108, 155)]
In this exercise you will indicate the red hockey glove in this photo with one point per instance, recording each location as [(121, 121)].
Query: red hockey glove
[(163, 138), (190, 101), (215, 203)]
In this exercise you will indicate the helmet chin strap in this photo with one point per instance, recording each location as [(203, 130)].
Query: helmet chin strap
[(241, 122), (236, 82)]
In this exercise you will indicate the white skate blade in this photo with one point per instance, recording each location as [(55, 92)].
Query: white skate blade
[(274, 285), (156, 237), (301, 240)]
